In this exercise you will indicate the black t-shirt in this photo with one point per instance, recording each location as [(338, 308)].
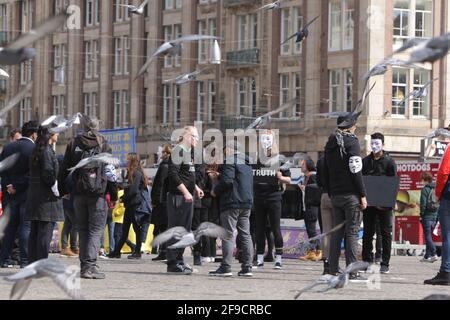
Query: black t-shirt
[(181, 173), (265, 182)]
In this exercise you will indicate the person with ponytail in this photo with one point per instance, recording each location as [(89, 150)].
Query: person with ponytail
[(44, 206)]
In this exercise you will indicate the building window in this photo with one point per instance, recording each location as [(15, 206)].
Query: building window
[(341, 25), (401, 84), (121, 55), (91, 104), (177, 104), (201, 94), (246, 97), (121, 13), (340, 86), (211, 100), (25, 111), (92, 9), (172, 4), (206, 27), (59, 63), (59, 105), (27, 12), (167, 99), (412, 18), (247, 31), (26, 72), (60, 7), (172, 32), (121, 109), (290, 87), (291, 22), (92, 59)]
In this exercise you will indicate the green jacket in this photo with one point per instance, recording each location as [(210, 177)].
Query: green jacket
[(424, 196)]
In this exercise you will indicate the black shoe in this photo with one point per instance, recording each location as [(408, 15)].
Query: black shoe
[(278, 266), (384, 269), (6, 265), (92, 273), (326, 267), (221, 272), (355, 277), (160, 257), (269, 258), (114, 255), (179, 269), (197, 260), (245, 272), (441, 279), (154, 250), (135, 256)]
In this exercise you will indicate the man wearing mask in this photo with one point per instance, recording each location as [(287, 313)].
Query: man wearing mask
[(378, 163), (342, 177), (15, 185)]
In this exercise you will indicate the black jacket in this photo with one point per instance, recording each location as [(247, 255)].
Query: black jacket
[(385, 166), (337, 177), (42, 204), (181, 173), (74, 151), (266, 184), (132, 192), (235, 186), (159, 188), (19, 174), (319, 174)]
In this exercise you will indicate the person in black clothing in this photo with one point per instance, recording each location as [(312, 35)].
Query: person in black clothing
[(342, 176), (15, 183), (89, 194), (159, 200), (268, 191), (378, 163), (180, 198), (44, 207), (137, 181)]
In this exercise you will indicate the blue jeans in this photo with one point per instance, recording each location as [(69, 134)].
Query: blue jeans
[(428, 226), (16, 222), (444, 219)]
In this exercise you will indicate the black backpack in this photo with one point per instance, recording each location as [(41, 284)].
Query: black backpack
[(91, 180), (432, 202)]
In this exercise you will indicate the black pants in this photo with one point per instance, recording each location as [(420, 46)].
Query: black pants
[(39, 242), (311, 217), (159, 218), (179, 214), (378, 242), (206, 247), (369, 219), (268, 210), (118, 236), (128, 220)]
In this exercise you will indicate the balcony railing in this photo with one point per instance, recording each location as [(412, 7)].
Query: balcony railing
[(243, 58), (233, 3)]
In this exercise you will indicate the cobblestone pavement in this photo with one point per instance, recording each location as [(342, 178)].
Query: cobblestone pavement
[(145, 279)]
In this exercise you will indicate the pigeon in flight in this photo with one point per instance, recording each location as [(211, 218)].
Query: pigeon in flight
[(63, 124), (64, 277), (186, 239), (171, 47), (184, 78), (439, 132), (14, 102), (271, 6), (430, 50), (4, 74), (382, 68), (17, 51), (335, 282), (266, 118), (302, 34), (93, 161), (418, 93), (8, 162), (135, 9)]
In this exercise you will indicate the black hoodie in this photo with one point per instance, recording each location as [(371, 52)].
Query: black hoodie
[(74, 151), (337, 177)]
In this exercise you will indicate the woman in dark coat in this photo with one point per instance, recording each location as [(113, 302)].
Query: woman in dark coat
[(43, 206)]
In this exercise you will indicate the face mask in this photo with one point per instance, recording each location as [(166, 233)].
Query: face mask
[(355, 164), (377, 145), (266, 141)]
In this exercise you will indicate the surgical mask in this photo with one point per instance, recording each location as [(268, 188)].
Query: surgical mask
[(266, 141), (376, 145)]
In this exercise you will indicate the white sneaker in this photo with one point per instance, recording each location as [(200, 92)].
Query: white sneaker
[(206, 259), (430, 259)]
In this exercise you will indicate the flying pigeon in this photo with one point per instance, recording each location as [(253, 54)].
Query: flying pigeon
[(184, 78), (271, 6), (135, 9), (60, 274), (13, 102), (439, 132), (172, 46), (429, 51), (301, 34), (17, 51), (335, 282), (4, 220), (418, 93), (3, 73), (382, 67), (63, 124), (106, 158), (266, 118), (8, 162), (186, 239)]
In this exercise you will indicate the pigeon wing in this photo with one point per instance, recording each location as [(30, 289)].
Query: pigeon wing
[(212, 230), (309, 23), (44, 29), (15, 100), (67, 282), (323, 235), (307, 288), (175, 232), (290, 37), (288, 104), (410, 43), (143, 4), (9, 162), (356, 266), (19, 288), (192, 37)]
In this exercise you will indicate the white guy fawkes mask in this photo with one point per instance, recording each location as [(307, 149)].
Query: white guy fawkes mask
[(266, 141), (355, 164), (377, 145)]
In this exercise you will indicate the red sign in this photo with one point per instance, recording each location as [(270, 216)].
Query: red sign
[(410, 173)]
